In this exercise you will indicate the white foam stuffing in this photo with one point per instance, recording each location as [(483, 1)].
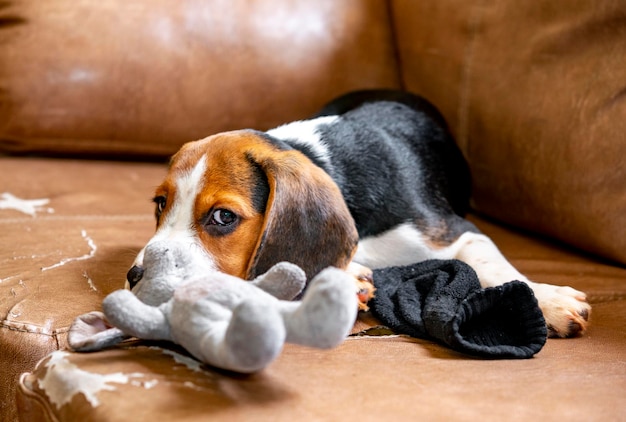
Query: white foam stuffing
[(63, 380), (190, 363)]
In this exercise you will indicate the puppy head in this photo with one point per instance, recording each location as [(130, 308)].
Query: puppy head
[(243, 202)]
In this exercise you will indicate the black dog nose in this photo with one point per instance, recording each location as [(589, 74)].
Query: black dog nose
[(134, 275)]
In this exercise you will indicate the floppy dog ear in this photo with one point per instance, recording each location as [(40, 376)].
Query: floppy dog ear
[(306, 222)]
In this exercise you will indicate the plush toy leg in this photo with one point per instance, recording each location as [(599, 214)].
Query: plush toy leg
[(251, 341), (125, 311), (327, 312)]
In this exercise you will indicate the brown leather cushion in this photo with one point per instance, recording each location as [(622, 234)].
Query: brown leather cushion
[(121, 77), (366, 378), (534, 92), (58, 265)]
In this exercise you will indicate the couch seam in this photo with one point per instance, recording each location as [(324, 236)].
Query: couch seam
[(395, 44), (473, 21), (36, 396), (605, 298), (23, 328)]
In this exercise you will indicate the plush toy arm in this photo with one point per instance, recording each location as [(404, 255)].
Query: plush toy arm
[(125, 311), (90, 332), (284, 281)]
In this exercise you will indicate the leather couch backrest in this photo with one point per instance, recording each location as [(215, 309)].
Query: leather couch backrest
[(131, 78), (535, 95)]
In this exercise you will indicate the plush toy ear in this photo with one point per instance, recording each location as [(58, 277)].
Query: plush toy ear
[(284, 281), (90, 332), (307, 222)]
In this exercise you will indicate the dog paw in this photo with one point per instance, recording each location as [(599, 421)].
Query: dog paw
[(565, 309), (364, 284)]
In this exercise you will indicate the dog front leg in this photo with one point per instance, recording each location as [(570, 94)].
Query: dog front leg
[(565, 309)]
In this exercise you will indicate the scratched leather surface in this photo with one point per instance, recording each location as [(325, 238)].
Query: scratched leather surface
[(366, 378), (103, 215), (61, 262)]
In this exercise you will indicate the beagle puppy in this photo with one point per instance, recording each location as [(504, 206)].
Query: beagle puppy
[(374, 180)]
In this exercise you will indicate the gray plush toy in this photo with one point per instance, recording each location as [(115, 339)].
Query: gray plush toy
[(220, 319)]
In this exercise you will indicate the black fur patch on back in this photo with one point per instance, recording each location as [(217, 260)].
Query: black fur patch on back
[(395, 162), (393, 158)]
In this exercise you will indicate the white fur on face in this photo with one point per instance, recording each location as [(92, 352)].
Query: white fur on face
[(179, 221)]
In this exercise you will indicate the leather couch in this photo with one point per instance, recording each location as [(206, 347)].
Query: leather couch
[(94, 96)]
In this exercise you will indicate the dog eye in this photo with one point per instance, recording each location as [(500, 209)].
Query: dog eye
[(160, 202), (223, 217)]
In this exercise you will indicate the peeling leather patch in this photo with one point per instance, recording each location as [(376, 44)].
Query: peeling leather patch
[(376, 331)]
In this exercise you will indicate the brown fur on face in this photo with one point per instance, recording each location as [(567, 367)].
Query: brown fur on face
[(304, 219)]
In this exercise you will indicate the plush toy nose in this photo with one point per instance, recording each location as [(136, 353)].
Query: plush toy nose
[(134, 275)]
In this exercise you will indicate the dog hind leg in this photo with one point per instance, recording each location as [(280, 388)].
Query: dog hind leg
[(565, 309)]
